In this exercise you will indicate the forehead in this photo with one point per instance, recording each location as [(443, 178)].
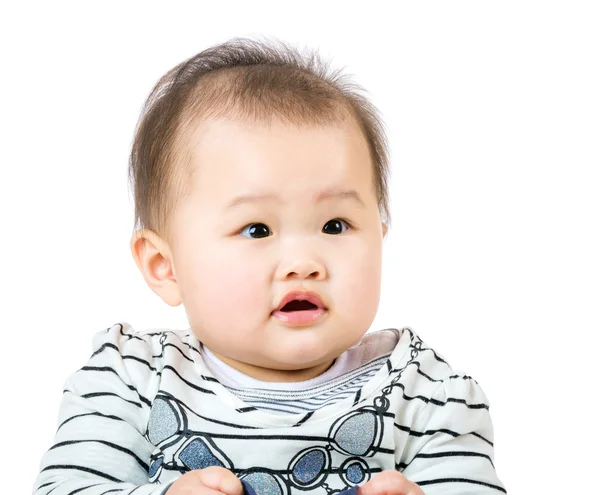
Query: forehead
[(232, 158)]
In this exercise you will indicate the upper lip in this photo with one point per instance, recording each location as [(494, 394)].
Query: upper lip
[(302, 295)]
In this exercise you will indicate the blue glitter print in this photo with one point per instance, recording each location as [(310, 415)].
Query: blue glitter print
[(357, 433), (262, 483), (248, 490), (196, 455), (309, 466), (355, 473), (163, 422), (154, 467)]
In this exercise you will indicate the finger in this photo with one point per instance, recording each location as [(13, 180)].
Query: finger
[(202, 490), (189, 484), (390, 483), (220, 479)]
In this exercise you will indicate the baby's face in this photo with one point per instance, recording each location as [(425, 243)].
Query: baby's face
[(235, 259)]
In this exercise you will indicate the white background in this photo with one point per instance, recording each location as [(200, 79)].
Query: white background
[(493, 115)]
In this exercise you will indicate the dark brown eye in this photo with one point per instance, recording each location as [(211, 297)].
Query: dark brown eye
[(335, 226), (256, 230)]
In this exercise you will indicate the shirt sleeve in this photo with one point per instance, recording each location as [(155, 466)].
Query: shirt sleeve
[(453, 452), (99, 446)]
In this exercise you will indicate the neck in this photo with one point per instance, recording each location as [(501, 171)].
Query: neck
[(274, 375)]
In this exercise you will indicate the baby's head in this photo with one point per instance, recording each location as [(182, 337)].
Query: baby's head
[(256, 173)]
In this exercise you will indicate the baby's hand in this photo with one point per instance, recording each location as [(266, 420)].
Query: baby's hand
[(210, 481), (390, 483)]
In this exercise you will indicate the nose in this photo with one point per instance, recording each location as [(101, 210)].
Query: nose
[(302, 268)]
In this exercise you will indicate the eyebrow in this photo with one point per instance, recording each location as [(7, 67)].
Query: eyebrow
[(319, 197)]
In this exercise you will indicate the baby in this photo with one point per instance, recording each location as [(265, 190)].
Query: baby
[(260, 183)]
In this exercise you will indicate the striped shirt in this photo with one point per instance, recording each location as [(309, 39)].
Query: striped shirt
[(350, 371), (145, 409)]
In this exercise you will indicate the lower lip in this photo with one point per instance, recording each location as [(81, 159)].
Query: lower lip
[(299, 318)]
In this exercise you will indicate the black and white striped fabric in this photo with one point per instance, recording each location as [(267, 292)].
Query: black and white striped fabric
[(146, 408), (309, 399), (350, 371)]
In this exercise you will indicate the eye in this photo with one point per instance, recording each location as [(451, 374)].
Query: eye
[(334, 226), (256, 230)]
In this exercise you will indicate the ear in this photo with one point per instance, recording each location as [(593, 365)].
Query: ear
[(384, 229), (153, 257)]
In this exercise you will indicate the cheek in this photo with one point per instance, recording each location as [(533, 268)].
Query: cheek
[(362, 280), (228, 289)]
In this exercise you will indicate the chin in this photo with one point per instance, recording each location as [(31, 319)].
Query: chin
[(298, 356)]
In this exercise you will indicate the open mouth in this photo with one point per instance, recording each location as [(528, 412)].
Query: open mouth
[(299, 312), (298, 305)]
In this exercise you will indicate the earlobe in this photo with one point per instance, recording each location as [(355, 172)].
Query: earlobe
[(154, 260)]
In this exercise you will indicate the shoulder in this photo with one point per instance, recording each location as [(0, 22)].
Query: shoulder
[(425, 376), (431, 395), (429, 363), (139, 354), (123, 338)]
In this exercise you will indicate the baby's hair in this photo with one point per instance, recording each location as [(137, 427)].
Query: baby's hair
[(250, 80)]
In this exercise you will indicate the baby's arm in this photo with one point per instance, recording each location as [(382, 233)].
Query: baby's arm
[(451, 443), (100, 445)]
